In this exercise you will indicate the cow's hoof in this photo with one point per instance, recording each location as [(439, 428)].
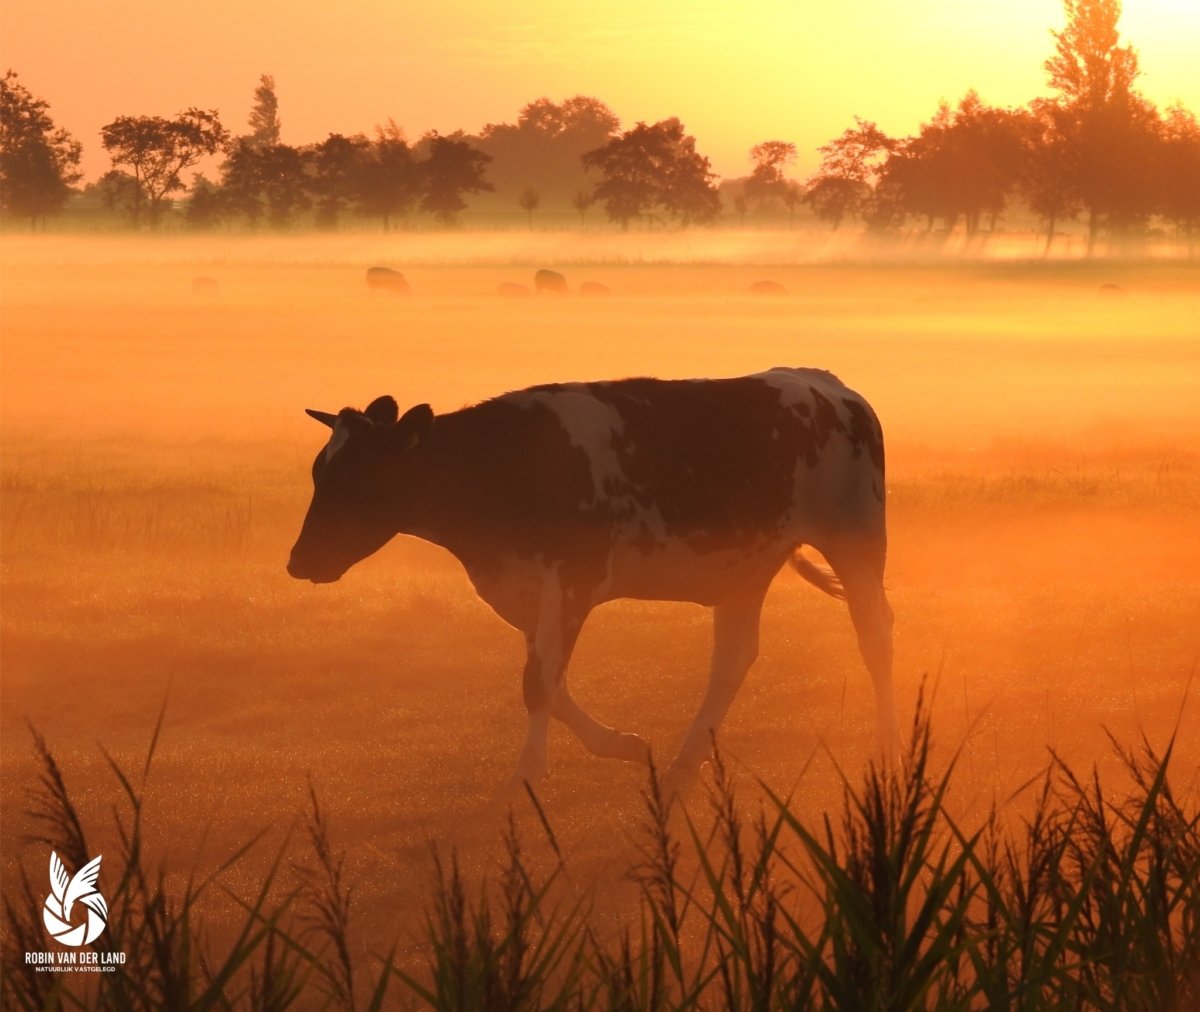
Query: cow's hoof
[(678, 783), (526, 776), (630, 748)]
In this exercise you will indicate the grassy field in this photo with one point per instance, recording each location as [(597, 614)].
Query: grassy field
[(1044, 501)]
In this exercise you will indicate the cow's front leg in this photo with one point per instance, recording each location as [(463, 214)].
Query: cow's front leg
[(735, 647), (548, 648)]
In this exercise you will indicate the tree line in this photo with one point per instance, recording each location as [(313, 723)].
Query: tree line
[(1095, 149)]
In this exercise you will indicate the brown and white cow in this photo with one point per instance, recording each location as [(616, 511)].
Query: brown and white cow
[(561, 497), (384, 279), (547, 282)]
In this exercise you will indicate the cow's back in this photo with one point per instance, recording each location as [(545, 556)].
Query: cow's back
[(719, 463)]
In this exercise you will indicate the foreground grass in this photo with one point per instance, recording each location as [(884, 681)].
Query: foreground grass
[(1092, 901)]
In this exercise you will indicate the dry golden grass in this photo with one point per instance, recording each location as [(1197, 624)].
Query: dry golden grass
[(1045, 498)]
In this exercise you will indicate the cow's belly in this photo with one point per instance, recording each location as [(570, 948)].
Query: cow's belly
[(702, 571), (513, 587), (682, 572)]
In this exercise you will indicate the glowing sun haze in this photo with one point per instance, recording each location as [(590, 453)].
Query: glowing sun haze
[(735, 73)]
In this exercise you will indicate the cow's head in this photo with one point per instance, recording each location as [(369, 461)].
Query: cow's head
[(358, 487)]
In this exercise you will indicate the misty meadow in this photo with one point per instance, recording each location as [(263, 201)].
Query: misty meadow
[(224, 787), (1041, 478)]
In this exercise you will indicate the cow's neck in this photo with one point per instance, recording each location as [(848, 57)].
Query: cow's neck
[(445, 499)]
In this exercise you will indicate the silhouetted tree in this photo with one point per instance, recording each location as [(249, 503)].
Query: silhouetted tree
[(528, 202), (1049, 171), (118, 192), (988, 150), (390, 178), (1107, 125), (1179, 171), (925, 171), (336, 165), (691, 194), (740, 206), (265, 183), (1118, 167), (452, 168), (632, 173), (262, 179), (1089, 69), (285, 183), (158, 150), (835, 198), (38, 161), (792, 198), (767, 183), (963, 164), (205, 208), (653, 168), (264, 115), (581, 202), (1096, 146), (851, 165), (243, 181), (542, 150)]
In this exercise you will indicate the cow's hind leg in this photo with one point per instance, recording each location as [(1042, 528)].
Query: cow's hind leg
[(599, 739), (735, 648), (859, 566)]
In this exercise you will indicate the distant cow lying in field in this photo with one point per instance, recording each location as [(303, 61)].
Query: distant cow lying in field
[(386, 279), (550, 282), (561, 497), (767, 288)]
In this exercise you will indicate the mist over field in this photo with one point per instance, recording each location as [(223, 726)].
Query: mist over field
[(1041, 421)]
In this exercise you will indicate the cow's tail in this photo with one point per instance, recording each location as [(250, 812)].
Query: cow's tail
[(821, 577)]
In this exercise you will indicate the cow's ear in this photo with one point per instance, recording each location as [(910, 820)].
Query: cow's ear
[(383, 410), (355, 421), (414, 427), (324, 417)]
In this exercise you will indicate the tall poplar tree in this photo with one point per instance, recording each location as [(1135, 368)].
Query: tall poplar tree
[(1109, 129), (264, 116)]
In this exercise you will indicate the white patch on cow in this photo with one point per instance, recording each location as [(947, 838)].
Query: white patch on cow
[(590, 425), (593, 427), (840, 484), (341, 432), (796, 385)]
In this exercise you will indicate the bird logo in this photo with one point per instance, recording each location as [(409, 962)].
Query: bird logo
[(64, 893)]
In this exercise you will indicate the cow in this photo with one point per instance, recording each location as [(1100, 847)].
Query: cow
[(549, 283), (767, 288), (386, 279), (594, 289), (512, 290), (561, 497), (205, 288)]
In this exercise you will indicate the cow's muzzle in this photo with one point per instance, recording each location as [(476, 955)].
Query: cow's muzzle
[(303, 570)]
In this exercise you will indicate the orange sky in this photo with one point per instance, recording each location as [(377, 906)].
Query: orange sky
[(735, 72)]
